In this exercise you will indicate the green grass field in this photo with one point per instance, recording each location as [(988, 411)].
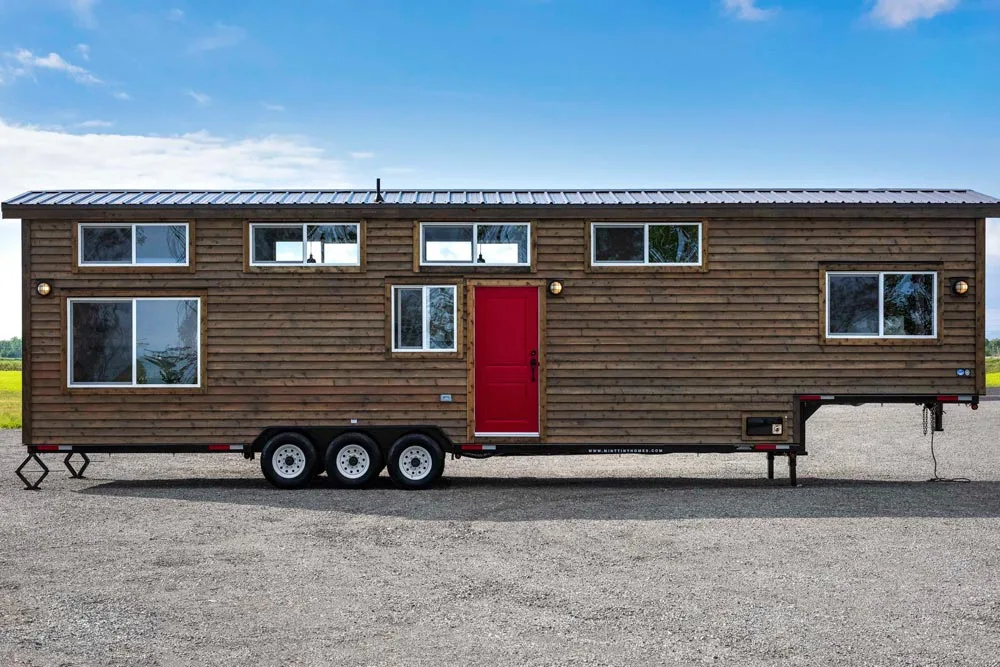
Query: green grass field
[(993, 371), (10, 399)]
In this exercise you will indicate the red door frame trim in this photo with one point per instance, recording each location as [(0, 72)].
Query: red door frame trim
[(470, 345)]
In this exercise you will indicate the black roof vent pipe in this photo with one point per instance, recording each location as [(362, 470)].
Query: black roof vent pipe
[(379, 199)]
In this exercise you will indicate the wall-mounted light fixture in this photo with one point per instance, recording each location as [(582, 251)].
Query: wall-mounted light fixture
[(960, 286), (44, 288), (555, 287)]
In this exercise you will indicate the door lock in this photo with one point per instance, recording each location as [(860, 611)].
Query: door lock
[(534, 364)]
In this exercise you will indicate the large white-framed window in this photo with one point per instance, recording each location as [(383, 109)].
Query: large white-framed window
[(133, 244), (646, 244), (305, 244), (475, 244), (133, 342), (881, 304), (424, 318)]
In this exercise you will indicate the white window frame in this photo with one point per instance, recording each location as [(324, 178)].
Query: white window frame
[(645, 242), (80, 226), (135, 366), (475, 243), (425, 330), (881, 304), (305, 242)]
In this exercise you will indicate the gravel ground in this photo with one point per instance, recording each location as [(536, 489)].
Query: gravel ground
[(681, 559)]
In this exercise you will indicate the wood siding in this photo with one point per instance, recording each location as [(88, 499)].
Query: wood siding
[(638, 356)]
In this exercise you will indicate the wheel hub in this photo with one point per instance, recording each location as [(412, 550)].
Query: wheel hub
[(415, 463), (289, 461), (353, 461)]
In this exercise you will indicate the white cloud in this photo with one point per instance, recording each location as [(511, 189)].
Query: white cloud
[(84, 11), (96, 123), (48, 159), (201, 99), (27, 62), (222, 37), (898, 13), (83, 50), (746, 10), (176, 14), (362, 155), (272, 107), (121, 95)]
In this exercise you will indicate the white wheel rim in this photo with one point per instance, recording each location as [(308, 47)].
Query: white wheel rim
[(415, 462), (353, 461), (289, 461)]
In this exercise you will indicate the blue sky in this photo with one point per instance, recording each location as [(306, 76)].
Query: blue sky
[(497, 93)]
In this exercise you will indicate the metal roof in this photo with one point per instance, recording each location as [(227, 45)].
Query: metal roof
[(240, 198)]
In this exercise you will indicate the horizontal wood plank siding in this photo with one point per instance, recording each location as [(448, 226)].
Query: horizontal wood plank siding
[(649, 356)]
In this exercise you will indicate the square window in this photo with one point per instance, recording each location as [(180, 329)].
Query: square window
[(619, 244), (424, 318)]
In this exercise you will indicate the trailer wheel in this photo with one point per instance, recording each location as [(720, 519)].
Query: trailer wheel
[(415, 461), (353, 459), (288, 460)]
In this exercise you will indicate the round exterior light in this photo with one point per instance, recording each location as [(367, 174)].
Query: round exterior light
[(555, 287), (960, 286), (43, 289)]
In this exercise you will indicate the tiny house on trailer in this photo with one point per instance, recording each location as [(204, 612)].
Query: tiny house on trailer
[(350, 331)]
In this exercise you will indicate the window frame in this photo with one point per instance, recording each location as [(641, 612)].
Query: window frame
[(423, 262), (133, 264), (425, 330), (133, 385), (594, 263), (881, 335), (252, 264)]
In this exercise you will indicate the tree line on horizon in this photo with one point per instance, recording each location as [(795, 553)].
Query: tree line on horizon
[(10, 348)]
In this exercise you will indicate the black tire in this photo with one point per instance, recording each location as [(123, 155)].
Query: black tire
[(288, 461), (349, 470), (415, 461)]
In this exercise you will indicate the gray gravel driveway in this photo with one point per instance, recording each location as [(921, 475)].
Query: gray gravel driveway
[(679, 559)]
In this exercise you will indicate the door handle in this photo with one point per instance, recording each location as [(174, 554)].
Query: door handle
[(534, 364)]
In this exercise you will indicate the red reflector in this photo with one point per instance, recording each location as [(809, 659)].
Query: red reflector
[(218, 448), (764, 448), (472, 448), (950, 399), (47, 448), (810, 397)]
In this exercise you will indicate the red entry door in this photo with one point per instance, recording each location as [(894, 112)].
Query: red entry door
[(506, 360)]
